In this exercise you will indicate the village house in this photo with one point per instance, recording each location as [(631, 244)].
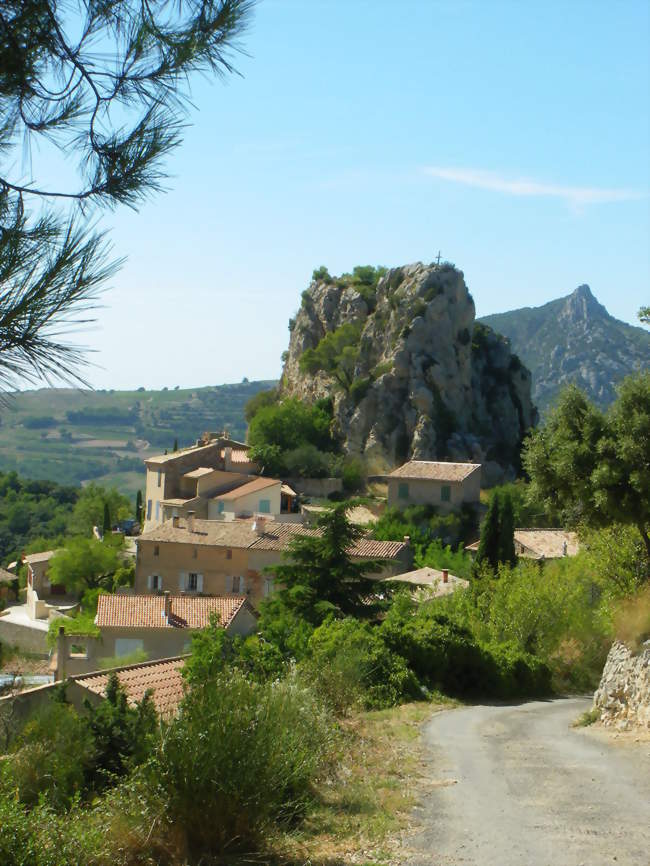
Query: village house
[(435, 582), (540, 544), (159, 626), (428, 482), (214, 557), (186, 479)]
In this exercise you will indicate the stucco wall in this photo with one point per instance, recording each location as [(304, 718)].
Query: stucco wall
[(175, 559), (28, 639), (248, 504), (423, 491)]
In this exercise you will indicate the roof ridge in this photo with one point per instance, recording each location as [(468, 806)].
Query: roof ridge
[(148, 664)]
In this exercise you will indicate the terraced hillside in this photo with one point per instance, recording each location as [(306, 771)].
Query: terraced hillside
[(71, 436)]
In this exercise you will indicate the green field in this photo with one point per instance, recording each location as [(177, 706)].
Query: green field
[(72, 436)]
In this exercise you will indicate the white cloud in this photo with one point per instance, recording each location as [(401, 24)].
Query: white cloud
[(577, 196)]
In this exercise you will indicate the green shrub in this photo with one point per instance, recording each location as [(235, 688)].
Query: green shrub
[(349, 663), (307, 461), (239, 756), (359, 388), (52, 757), (353, 474)]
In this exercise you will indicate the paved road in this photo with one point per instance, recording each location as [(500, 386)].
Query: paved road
[(516, 786)]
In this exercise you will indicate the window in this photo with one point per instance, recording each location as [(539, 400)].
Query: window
[(403, 491), (268, 586), (192, 581), (445, 493), (148, 509), (124, 646), (229, 554), (156, 550), (157, 510), (154, 582), (265, 506), (220, 507), (159, 477)]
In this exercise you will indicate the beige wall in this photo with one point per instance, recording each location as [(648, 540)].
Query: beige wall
[(423, 491), (158, 643), (175, 559), (248, 504)]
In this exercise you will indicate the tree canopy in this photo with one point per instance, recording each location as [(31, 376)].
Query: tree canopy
[(84, 563), (594, 467), (105, 83), (336, 354)]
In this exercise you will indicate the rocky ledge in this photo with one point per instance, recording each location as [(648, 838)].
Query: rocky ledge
[(623, 696), (422, 379)]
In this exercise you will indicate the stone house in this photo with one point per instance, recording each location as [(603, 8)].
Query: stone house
[(162, 625), (447, 486), (540, 544), (217, 557), (185, 479)]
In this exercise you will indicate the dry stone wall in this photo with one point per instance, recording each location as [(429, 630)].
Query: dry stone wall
[(623, 696)]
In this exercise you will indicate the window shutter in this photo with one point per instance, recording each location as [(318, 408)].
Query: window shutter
[(182, 580), (150, 582), (199, 583), (160, 582)]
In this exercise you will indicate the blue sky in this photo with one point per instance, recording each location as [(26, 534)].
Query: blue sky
[(511, 136)]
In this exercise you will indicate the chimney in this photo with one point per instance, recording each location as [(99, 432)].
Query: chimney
[(168, 605), (445, 575), (259, 525), (61, 653), (175, 521), (407, 540), (190, 521), (227, 458)]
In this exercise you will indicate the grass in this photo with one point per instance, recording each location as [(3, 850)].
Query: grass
[(369, 803), (587, 718)]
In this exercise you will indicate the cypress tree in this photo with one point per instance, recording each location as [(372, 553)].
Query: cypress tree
[(507, 531), (488, 549), (138, 505), (107, 518), (175, 444)]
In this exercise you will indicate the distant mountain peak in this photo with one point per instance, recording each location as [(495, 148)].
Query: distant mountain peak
[(574, 340), (581, 304)]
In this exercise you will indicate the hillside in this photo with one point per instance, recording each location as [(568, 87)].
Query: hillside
[(573, 340), (69, 436), (410, 373)]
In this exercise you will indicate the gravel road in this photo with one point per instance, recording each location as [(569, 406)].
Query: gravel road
[(517, 786)]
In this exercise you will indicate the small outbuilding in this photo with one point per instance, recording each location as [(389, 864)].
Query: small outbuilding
[(430, 482)]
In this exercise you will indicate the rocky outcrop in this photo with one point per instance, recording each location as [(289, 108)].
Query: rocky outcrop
[(623, 696), (427, 382), (574, 340)]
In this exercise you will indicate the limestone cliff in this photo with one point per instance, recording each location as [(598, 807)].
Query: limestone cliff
[(423, 380)]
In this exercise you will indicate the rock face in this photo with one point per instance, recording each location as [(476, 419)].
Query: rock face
[(574, 340), (428, 382), (623, 696)]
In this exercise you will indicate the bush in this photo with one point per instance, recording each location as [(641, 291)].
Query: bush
[(350, 664), (51, 757), (353, 475), (239, 756), (289, 425), (307, 461)]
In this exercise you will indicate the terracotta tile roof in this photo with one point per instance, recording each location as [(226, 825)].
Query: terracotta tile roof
[(216, 533), (546, 543), (163, 678), (247, 488), (44, 556), (540, 543), (435, 471), (239, 455), (162, 459), (239, 533), (148, 611), (198, 473), (433, 578)]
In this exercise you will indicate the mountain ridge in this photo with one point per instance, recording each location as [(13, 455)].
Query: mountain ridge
[(573, 340)]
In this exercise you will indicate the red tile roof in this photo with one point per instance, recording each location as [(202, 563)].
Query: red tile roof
[(148, 611), (431, 470), (163, 678), (248, 487)]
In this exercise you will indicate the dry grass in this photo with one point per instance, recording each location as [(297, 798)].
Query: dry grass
[(363, 812)]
